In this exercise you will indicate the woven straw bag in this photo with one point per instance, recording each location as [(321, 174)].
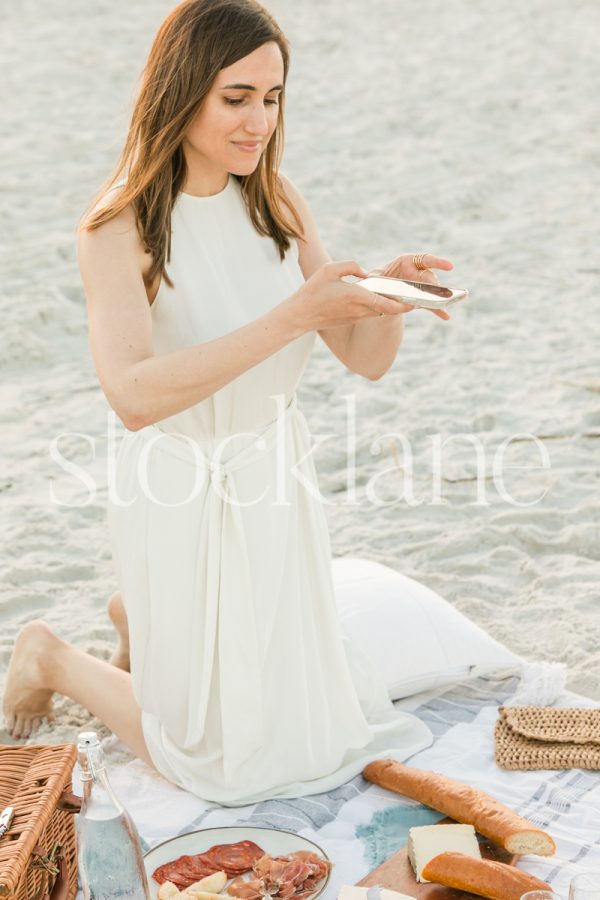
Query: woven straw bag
[(38, 855), (541, 737)]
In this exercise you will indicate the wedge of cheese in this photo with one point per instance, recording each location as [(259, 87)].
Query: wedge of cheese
[(426, 841), (352, 892)]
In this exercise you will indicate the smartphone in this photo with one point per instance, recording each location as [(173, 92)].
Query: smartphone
[(420, 294)]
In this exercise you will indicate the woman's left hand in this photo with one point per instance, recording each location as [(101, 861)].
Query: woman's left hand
[(404, 267)]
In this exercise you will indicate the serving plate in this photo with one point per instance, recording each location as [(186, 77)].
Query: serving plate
[(273, 841), (397, 874)]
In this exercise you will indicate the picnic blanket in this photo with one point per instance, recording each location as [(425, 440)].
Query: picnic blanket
[(360, 824)]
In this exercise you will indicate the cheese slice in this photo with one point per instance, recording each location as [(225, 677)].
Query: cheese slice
[(353, 892), (426, 841)]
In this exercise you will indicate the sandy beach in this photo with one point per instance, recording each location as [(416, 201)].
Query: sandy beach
[(467, 129)]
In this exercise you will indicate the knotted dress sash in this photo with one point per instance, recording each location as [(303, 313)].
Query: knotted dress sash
[(230, 621)]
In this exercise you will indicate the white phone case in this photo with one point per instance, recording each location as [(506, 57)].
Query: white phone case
[(418, 293)]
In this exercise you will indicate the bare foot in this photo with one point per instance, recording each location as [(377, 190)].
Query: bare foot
[(118, 616), (27, 699)]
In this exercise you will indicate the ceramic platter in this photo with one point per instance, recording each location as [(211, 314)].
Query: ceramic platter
[(272, 841)]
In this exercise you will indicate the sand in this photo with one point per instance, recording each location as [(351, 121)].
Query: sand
[(468, 129)]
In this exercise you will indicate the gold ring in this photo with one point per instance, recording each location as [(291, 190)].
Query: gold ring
[(418, 261)]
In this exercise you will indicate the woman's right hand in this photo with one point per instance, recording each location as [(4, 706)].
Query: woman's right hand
[(325, 300)]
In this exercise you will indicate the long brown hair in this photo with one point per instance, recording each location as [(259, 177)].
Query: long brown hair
[(196, 40)]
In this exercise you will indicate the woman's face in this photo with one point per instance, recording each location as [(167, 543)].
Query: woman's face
[(236, 120)]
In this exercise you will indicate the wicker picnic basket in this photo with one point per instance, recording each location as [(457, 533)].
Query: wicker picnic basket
[(38, 856)]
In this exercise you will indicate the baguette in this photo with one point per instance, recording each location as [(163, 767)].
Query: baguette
[(484, 877), (463, 804)]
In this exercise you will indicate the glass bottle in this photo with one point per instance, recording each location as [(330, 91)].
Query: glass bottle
[(109, 854), (585, 886), (541, 895)]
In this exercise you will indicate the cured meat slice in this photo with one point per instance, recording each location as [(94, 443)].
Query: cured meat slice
[(175, 879), (170, 871), (234, 858), (296, 875), (246, 889), (183, 871), (320, 866), (296, 872), (270, 868)]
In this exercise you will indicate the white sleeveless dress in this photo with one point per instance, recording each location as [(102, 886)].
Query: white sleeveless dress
[(247, 688)]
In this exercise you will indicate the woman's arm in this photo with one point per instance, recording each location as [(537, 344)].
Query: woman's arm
[(144, 388), (369, 346)]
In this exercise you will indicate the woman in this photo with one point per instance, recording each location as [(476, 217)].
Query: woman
[(206, 283)]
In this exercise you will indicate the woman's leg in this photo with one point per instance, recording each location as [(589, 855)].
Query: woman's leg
[(118, 616), (42, 664)]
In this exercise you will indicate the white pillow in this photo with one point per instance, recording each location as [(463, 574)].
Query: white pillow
[(414, 638)]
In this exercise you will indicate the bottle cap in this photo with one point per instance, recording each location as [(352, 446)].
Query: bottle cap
[(87, 739), (91, 758)]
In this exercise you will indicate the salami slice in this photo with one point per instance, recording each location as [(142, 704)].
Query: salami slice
[(168, 873), (183, 871), (167, 870), (234, 858), (174, 878)]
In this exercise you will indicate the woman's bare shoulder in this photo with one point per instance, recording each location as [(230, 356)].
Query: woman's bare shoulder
[(290, 192), (294, 200), (118, 235), (114, 246), (311, 251), (121, 222)]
